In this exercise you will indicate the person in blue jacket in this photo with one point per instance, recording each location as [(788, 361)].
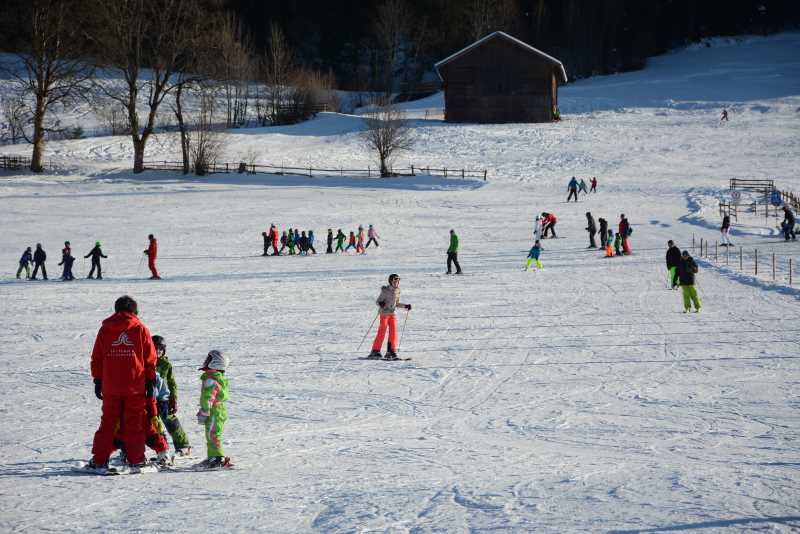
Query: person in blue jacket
[(572, 187), (311, 242), (533, 256), (25, 263)]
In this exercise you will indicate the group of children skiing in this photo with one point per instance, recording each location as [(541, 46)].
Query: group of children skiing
[(300, 243), (39, 256)]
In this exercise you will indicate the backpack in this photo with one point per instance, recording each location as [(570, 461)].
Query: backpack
[(630, 229)]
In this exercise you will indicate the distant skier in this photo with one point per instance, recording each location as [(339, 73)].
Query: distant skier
[(610, 244), (340, 237), (329, 250), (724, 116), (373, 236), (582, 187), (274, 237), (25, 263), (284, 242), (533, 256), (212, 415), (67, 261), (572, 187), (291, 242), (310, 242), (168, 409), (39, 257), (788, 224), (725, 231), (617, 243), (594, 185), (591, 227), (96, 253), (266, 243), (625, 232), (452, 254), (360, 244), (152, 254), (673, 260), (549, 224), (687, 269), (297, 238), (351, 242), (302, 244), (388, 301), (603, 231)]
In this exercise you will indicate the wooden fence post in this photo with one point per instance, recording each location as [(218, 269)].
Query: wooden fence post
[(462, 174), (309, 173), (445, 172), (773, 266), (741, 266), (484, 175), (716, 251), (790, 272), (756, 262), (692, 242), (412, 166)]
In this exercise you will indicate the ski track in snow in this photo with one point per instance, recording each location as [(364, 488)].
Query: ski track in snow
[(577, 398)]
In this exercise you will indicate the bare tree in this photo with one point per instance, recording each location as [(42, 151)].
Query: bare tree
[(391, 32), (386, 133), (15, 117), (233, 68), (52, 69), (204, 141), (483, 17), (279, 65), (135, 32)]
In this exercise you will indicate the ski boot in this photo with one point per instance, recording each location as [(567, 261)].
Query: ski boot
[(184, 451), (391, 355), (96, 468), (162, 459), (218, 462), (375, 355)]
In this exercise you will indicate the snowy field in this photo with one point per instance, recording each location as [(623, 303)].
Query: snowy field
[(575, 399)]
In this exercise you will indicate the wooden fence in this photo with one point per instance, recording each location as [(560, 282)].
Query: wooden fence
[(765, 264), (281, 170), (767, 188), (17, 163)]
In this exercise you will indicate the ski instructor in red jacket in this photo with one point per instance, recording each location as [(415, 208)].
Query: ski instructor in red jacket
[(152, 254), (124, 372)]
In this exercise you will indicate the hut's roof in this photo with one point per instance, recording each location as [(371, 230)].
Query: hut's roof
[(514, 40)]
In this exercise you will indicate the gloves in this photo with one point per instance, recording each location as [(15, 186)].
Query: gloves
[(150, 388), (408, 307), (173, 405), (98, 388), (381, 303), (201, 419)]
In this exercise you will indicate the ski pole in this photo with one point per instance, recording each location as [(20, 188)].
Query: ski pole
[(367, 333), (139, 268), (403, 331)]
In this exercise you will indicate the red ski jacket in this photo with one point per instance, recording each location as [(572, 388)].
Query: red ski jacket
[(123, 355), (152, 250)]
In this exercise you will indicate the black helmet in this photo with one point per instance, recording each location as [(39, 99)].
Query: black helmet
[(393, 277), (160, 344)]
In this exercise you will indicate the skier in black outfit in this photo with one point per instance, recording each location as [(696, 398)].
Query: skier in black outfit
[(591, 227), (329, 250), (788, 225), (603, 232), (66, 261), (266, 243), (39, 257), (673, 260), (96, 253)]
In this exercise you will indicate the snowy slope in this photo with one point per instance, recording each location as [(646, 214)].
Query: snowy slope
[(575, 399)]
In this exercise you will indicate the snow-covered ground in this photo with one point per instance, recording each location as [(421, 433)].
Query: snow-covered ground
[(575, 399)]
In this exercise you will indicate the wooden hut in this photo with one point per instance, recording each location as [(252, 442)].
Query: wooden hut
[(500, 79)]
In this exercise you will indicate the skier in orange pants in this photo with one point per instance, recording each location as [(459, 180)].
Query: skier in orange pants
[(388, 301)]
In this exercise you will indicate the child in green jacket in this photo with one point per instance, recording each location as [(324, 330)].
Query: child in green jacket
[(167, 411), (618, 244), (212, 413)]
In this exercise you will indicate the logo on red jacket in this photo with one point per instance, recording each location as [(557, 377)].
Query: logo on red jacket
[(122, 340)]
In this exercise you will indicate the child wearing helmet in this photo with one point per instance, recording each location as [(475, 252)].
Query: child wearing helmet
[(96, 253), (388, 301), (168, 407), (212, 413)]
